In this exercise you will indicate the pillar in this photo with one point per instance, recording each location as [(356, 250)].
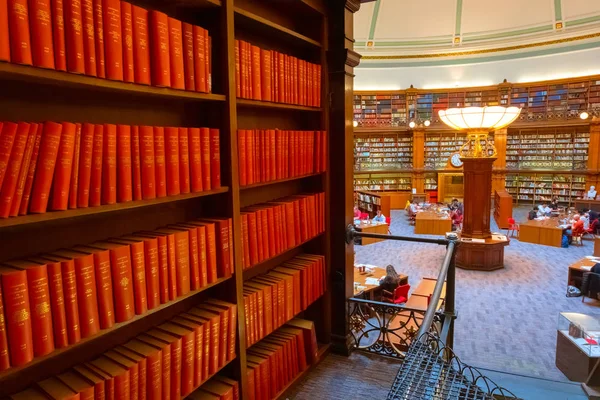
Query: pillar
[(499, 166), (477, 206), (593, 163), (418, 177)]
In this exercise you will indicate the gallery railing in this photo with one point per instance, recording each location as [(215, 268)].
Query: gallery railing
[(389, 329)]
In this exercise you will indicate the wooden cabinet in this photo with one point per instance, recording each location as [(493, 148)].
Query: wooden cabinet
[(502, 208)]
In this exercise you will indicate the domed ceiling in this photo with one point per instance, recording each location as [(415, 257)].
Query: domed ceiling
[(441, 32)]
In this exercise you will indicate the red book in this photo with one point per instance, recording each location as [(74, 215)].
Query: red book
[(222, 245), (4, 356), (172, 160), (242, 154), (136, 161), (33, 138), (207, 240), (141, 50), (195, 151), (187, 341), (56, 389), (104, 285), (256, 74), (18, 24), (188, 56), (119, 375), (109, 165), (160, 161), (184, 160), (120, 264), (89, 38), (200, 58), (196, 278), (48, 153), (64, 167), (124, 169), (238, 82), (159, 40), (176, 54), (171, 361), (154, 369), (87, 298), (163, 245), (85, 371), (8, 130), (181, 249), (17, 315), (95, 191), (131, 358), (111, 23), (74, 185), (127, 35), (207, 59), (266, 75), (215, 163), (250, 157), (74, 36), (99, 39), (245, 242), (4, 38), (40, 23), (78, 384), (138, 268), (11, 178), (147, 162), (134, 371), (205, 146), (152, 269)]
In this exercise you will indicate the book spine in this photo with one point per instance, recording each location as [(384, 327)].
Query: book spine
[(11, 177), (160, 161), (202, 255), (124, 164), (215, 162), (24, 206), (188, 55), (111, 21), (176, 54), (70, 292), (89, 38), (172, 266), (18, 25), (136, 161), (266, 72), (195, 279), (4, 38), (199, 58), (64, 167), (250, 157), (42, 48), (211, 244), (104, 289), (159, 40), (154, 378), (141, 50), (188, 351), (74, 185), (207, 62), (24, 170), (147, 162), (109, 165), (41, 317), (195, 160), (184, 160), (57, 304), (99, 39), (163, 269), (152, 266), (17, 316), (4, 356), (242, 156), (74, 36), (127, 35), (256, 72), (238, 83), (172, 160), (95, 191), (176, 349), (182, 251), (8, 131), (205, 146), (120, 264), (138, 270), (87, 295)]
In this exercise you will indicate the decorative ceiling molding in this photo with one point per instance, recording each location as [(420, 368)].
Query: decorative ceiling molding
[(352, 58), (353, 5)]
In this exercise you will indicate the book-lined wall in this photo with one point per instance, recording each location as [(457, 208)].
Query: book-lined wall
[(165, 236), (383, 152)]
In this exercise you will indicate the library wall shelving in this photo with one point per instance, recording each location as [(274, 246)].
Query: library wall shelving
[(37, 95), (383, 152)]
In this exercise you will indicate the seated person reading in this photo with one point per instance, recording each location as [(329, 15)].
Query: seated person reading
[(591, 194), (379, 217), (414, 207), (554, 204), (391, 280), (532, 214), (576, 226), (356, 213)]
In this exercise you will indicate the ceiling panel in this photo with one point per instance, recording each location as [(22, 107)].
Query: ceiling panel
[(362, 21), (506, 15), (574, 9)]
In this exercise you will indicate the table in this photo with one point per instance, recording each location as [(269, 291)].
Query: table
[(432, 223), (546, 232), (376, 273), (589, 204), (597, 245), (426, 287), (576, 271), (372, 228), (416, 302)]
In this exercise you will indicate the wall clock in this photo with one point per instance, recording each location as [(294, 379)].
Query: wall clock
[(455, 160)]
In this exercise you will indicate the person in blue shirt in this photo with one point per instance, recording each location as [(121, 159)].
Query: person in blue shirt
[(379, 217)]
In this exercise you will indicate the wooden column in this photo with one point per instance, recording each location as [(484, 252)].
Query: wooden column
[(593, 163), (418, 177), (499, 166), (341, 62), (477, 182)]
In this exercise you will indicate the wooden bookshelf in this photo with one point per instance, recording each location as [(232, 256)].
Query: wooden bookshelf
[(383, 152), (382, 181), (502, 208), (37, 95), (538, 187)]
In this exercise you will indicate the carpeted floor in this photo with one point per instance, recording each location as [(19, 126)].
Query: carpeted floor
[(507, 318)]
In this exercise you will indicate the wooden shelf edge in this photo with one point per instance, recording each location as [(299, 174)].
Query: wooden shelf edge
[(277, 27), (257, 269), (61, 78), (40, 362), (268, 104), (82, 212), (322, 351), (212, 376), (262, 184)]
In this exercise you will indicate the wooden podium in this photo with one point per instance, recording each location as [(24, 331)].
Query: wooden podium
[(489, 255)]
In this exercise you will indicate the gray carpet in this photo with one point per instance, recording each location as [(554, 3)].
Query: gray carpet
[(507, 318)]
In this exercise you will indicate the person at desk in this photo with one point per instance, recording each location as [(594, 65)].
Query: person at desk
[(591, 194), (379, 217), (356, 212), (544, 210), (391, 280), (576, 227), (414, 207), (532, 214), (554, 204)]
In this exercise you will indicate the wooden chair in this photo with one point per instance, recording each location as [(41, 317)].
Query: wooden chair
[(512, 228), (399, 296), (388, 221), (577, 237)]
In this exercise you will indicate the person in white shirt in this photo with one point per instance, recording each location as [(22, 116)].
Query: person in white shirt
[(591, 194), (379, 217), (414, 207), (586, 220)]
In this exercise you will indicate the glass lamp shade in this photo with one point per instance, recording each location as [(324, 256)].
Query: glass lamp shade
[(487, 118)]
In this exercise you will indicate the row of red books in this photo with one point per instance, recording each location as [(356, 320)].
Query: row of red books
[(274, 298), (271, 228), (71, 294), (270, 155), (276, 360), (167, 362), (269, 75), (65, 165), (106, 38)]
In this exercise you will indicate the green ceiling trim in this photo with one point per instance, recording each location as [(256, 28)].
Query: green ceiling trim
[(582, 21), (406, 43), (501, 35), (458, 23), (558, 10), (366, 63), (374, 19)]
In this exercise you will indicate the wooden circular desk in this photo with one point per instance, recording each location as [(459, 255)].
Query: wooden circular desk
[(547, 232)]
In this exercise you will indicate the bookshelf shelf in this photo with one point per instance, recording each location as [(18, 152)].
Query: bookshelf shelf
[(262, 184), (322, 352), (268, 104), (42, 367), (209, 377)]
